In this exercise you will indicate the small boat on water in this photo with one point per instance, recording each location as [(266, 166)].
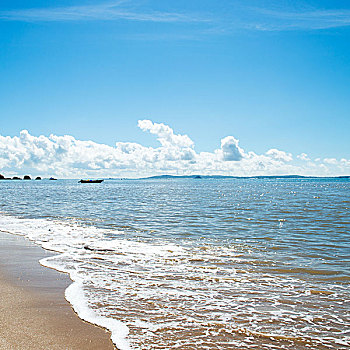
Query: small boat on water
[(90, 181)]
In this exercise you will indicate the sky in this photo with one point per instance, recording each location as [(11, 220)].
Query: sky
[(145, 87)]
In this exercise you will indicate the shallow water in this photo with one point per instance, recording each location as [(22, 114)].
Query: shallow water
[(197, 264)]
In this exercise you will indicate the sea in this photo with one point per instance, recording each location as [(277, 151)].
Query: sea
[(197, 264)]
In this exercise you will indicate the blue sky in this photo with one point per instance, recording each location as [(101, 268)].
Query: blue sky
[(273, 74)]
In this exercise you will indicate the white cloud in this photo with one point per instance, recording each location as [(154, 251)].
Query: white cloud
[(279, 155), (339, 163), (230, 150), (277, 16), (65, 156), (165, 134), (300, 18), (303, 156), (112, 11), (330, 161)]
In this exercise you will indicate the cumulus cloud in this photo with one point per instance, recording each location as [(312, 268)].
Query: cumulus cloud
[(344, 161), (279, 155), (230, 150), (303, 156), (65, 156), (330, 161), (166, 135)]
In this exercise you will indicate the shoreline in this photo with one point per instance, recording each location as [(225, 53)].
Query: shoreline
[(34, 313)]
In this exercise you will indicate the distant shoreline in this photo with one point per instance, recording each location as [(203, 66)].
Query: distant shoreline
[(242, 177), (160, 177)]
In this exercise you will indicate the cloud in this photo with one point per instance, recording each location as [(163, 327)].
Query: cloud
[(117, 10), (330, 161), (230, 150), (279, 155), (303, 156), (165, 134), (67, 157), (275, 16), (297, 19), (345, 162)]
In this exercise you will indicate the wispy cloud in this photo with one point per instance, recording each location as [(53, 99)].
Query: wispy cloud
[(104, 12), (309, 19), (237, 16)]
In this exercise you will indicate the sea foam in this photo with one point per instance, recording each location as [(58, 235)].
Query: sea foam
[(51, 235)]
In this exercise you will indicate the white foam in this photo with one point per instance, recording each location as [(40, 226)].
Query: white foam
[(156, 287), (126, 247), (66, 239), (75, 295)]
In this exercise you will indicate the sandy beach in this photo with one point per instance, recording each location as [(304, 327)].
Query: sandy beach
[(33, 311)]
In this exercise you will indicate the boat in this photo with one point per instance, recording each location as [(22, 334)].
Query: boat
[(90, 181)]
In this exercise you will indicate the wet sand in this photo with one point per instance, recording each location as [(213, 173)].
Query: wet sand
[(33, 311)]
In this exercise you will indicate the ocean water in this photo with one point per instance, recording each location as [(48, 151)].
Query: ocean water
[(197, 263)]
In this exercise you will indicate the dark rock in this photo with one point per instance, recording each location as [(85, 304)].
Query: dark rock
[(52, 178), (27, 177), (38, 178), (86, 247), (16, 178), (2, 177)]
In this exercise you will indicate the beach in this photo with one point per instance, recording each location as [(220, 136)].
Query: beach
[(34, 313), (175, 175)]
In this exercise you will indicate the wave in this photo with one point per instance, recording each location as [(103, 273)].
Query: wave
[(153, 293), (50, 235)]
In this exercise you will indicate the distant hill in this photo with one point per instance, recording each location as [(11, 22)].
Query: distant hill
[(157, 177)]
